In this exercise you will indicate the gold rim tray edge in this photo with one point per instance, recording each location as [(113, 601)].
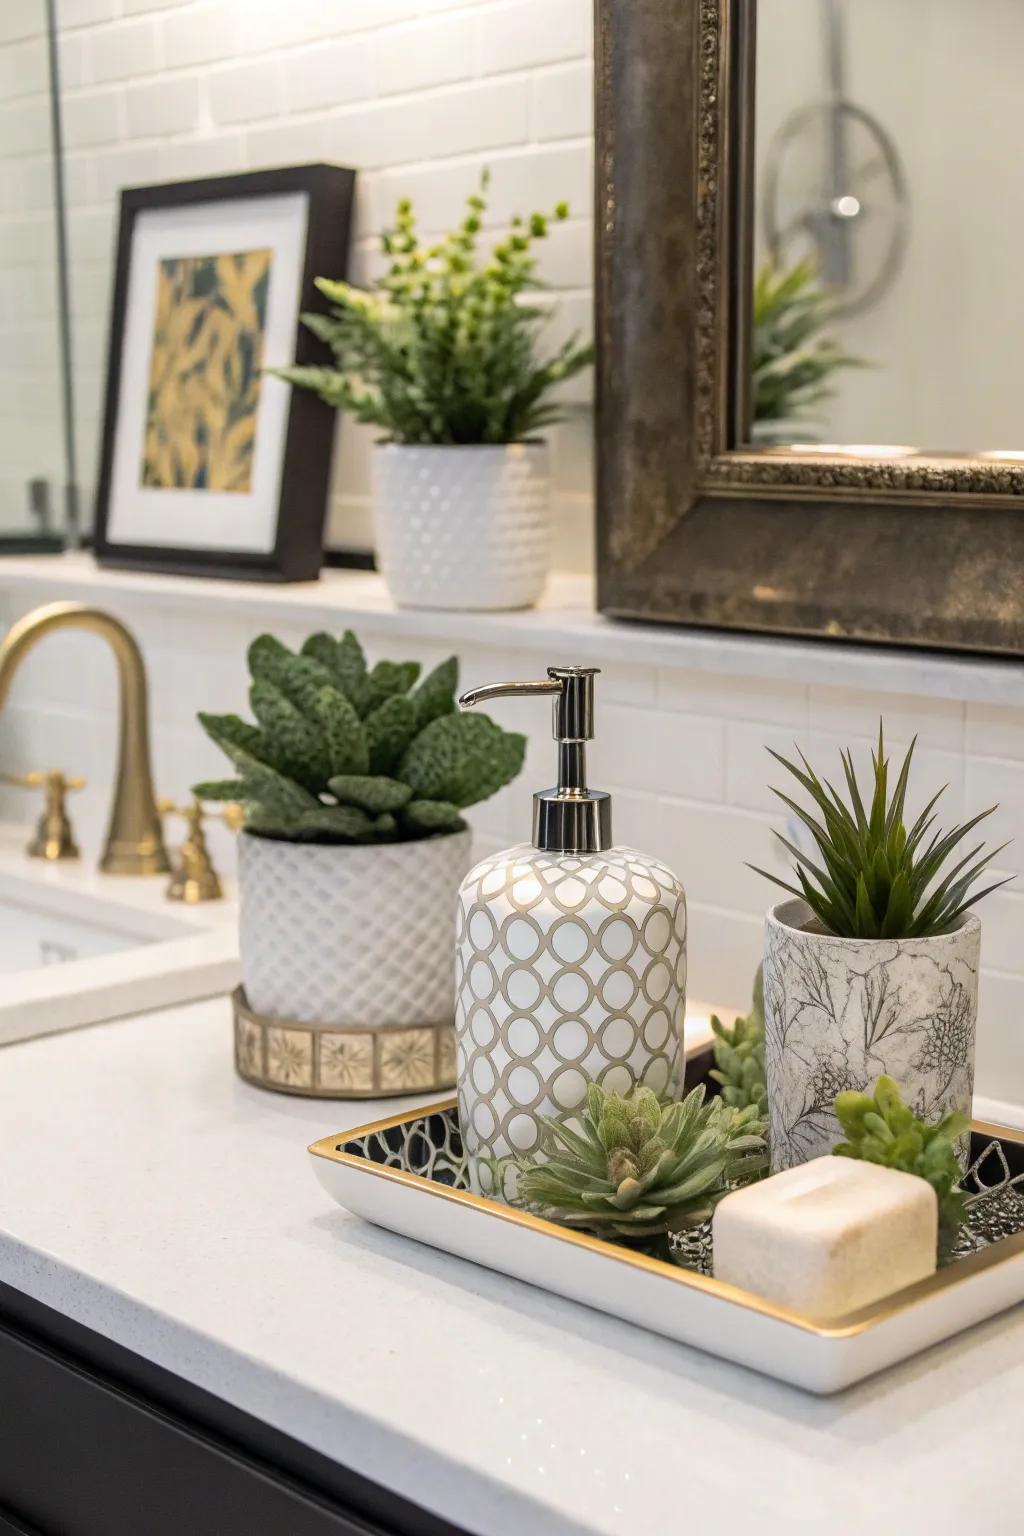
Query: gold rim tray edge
[(849, 1326)]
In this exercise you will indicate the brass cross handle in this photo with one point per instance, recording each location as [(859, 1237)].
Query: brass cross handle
[(195, 878), (53, 838)]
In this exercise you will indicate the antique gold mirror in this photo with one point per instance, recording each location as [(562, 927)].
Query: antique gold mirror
[(809, 317)]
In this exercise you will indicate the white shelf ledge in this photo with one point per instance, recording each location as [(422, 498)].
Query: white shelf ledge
[(565, 626)]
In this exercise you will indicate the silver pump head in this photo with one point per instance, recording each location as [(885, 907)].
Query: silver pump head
[(569, 818)]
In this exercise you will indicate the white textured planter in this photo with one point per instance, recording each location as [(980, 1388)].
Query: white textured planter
[(840, 1012), (465, 527), (347, 964)]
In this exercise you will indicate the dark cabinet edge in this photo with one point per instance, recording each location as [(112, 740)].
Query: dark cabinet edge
[(268, 1452)]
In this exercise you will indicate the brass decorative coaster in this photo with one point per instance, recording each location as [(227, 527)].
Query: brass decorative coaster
[(331, 1061)]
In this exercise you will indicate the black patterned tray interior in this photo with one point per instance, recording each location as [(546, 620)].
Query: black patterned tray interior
[(430, 1146)]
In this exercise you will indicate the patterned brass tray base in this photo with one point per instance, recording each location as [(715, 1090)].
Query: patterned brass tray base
[(331, 1061)]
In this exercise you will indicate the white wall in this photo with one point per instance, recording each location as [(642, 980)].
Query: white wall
[(418, 95)]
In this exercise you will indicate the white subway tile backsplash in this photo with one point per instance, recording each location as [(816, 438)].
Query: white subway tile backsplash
[(132, 167), (199, 35), (993, 731), (77, 13), (724, 949), (854, 712), (737, 698), (563, 104), (245, 93), (213, 155), (991, 781), (89, 119), (23, 68), (287, 143), (124, 51), (533, 32), (710, 846), (330, 75), (426, 54), (163, 106), (462, 119)]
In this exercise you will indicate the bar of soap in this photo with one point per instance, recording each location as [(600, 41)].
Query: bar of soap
[(828, 1237)]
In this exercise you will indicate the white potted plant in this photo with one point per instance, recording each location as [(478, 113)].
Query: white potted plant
[(353, 780), (872, 969), (443, 356)]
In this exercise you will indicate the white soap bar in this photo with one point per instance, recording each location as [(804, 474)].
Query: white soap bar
[(828, 1237)]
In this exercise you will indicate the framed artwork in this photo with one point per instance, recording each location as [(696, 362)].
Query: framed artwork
[(209, 464)]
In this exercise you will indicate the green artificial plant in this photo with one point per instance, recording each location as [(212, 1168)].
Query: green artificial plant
[(792, 355), (636, 1167), (445, 349), (880, 1128), (739, 1055), (879, 879), (346, 753)]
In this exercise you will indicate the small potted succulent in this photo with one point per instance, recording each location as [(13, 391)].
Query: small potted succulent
[(443, 357), (872, 969), (353, 780)]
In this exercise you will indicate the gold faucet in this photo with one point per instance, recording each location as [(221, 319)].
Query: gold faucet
[(135, 843), (195, 878), (53, 838)]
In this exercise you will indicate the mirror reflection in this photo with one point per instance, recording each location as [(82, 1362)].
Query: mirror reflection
[(887, 140)]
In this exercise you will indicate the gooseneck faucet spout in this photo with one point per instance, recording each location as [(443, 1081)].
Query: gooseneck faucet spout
[(135, 844)]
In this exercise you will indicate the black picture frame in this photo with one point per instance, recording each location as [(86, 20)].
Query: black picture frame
[(297, 554)]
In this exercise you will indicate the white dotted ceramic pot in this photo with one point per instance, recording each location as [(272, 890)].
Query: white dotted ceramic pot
[(570, 969), (462, 527)]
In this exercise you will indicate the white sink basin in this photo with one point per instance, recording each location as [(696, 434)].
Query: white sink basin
[(78, 947)]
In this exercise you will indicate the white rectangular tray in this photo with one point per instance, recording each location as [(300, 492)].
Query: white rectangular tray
[(402, 1173)]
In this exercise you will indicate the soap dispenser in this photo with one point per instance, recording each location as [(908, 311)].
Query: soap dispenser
[(571, 957)]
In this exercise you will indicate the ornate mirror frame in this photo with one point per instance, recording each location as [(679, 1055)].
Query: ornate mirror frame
[(924, 550)]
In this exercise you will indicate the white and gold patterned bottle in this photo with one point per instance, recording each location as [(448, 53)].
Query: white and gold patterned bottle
[(571, 956)]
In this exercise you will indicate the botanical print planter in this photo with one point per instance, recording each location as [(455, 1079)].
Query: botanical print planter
[(353, 939), (462, 527), (840, 1012)]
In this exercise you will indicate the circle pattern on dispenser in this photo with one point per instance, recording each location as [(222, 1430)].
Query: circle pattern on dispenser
[(569, 970)]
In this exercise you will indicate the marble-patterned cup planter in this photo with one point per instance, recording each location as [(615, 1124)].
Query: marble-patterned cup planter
[(840, 1012), (354, 943), (463, 527)]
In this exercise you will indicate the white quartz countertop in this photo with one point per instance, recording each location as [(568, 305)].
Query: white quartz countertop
[(564, 624), (149, 1194)]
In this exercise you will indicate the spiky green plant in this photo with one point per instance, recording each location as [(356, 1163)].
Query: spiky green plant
[(877, 879), (880, 1128), (637, 1167), (793, 356), (446, 349), (739, 1055), (346, 753)]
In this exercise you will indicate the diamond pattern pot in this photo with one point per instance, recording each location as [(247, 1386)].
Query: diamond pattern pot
[(462, 527), (348, 935)]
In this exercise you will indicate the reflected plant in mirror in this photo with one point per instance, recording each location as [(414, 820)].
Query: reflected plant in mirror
[(793, 353)]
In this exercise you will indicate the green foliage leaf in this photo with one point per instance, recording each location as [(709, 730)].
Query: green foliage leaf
[(327, 760), (370, 792), (436, 693), (462, 758), (880, 1128), (447, 348), (874, 878), (389, 729), (432, 816)]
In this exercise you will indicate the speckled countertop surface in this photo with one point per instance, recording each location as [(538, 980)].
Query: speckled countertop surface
[(150, 1195)]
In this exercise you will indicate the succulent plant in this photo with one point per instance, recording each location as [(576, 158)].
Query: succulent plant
[(637, 1167), (879, 880), (346, 753), (793, 358), (445, 350), (739, 1055), (880, 1128)]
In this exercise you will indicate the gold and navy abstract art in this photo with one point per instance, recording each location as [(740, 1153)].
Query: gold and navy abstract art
[(204, 371)]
